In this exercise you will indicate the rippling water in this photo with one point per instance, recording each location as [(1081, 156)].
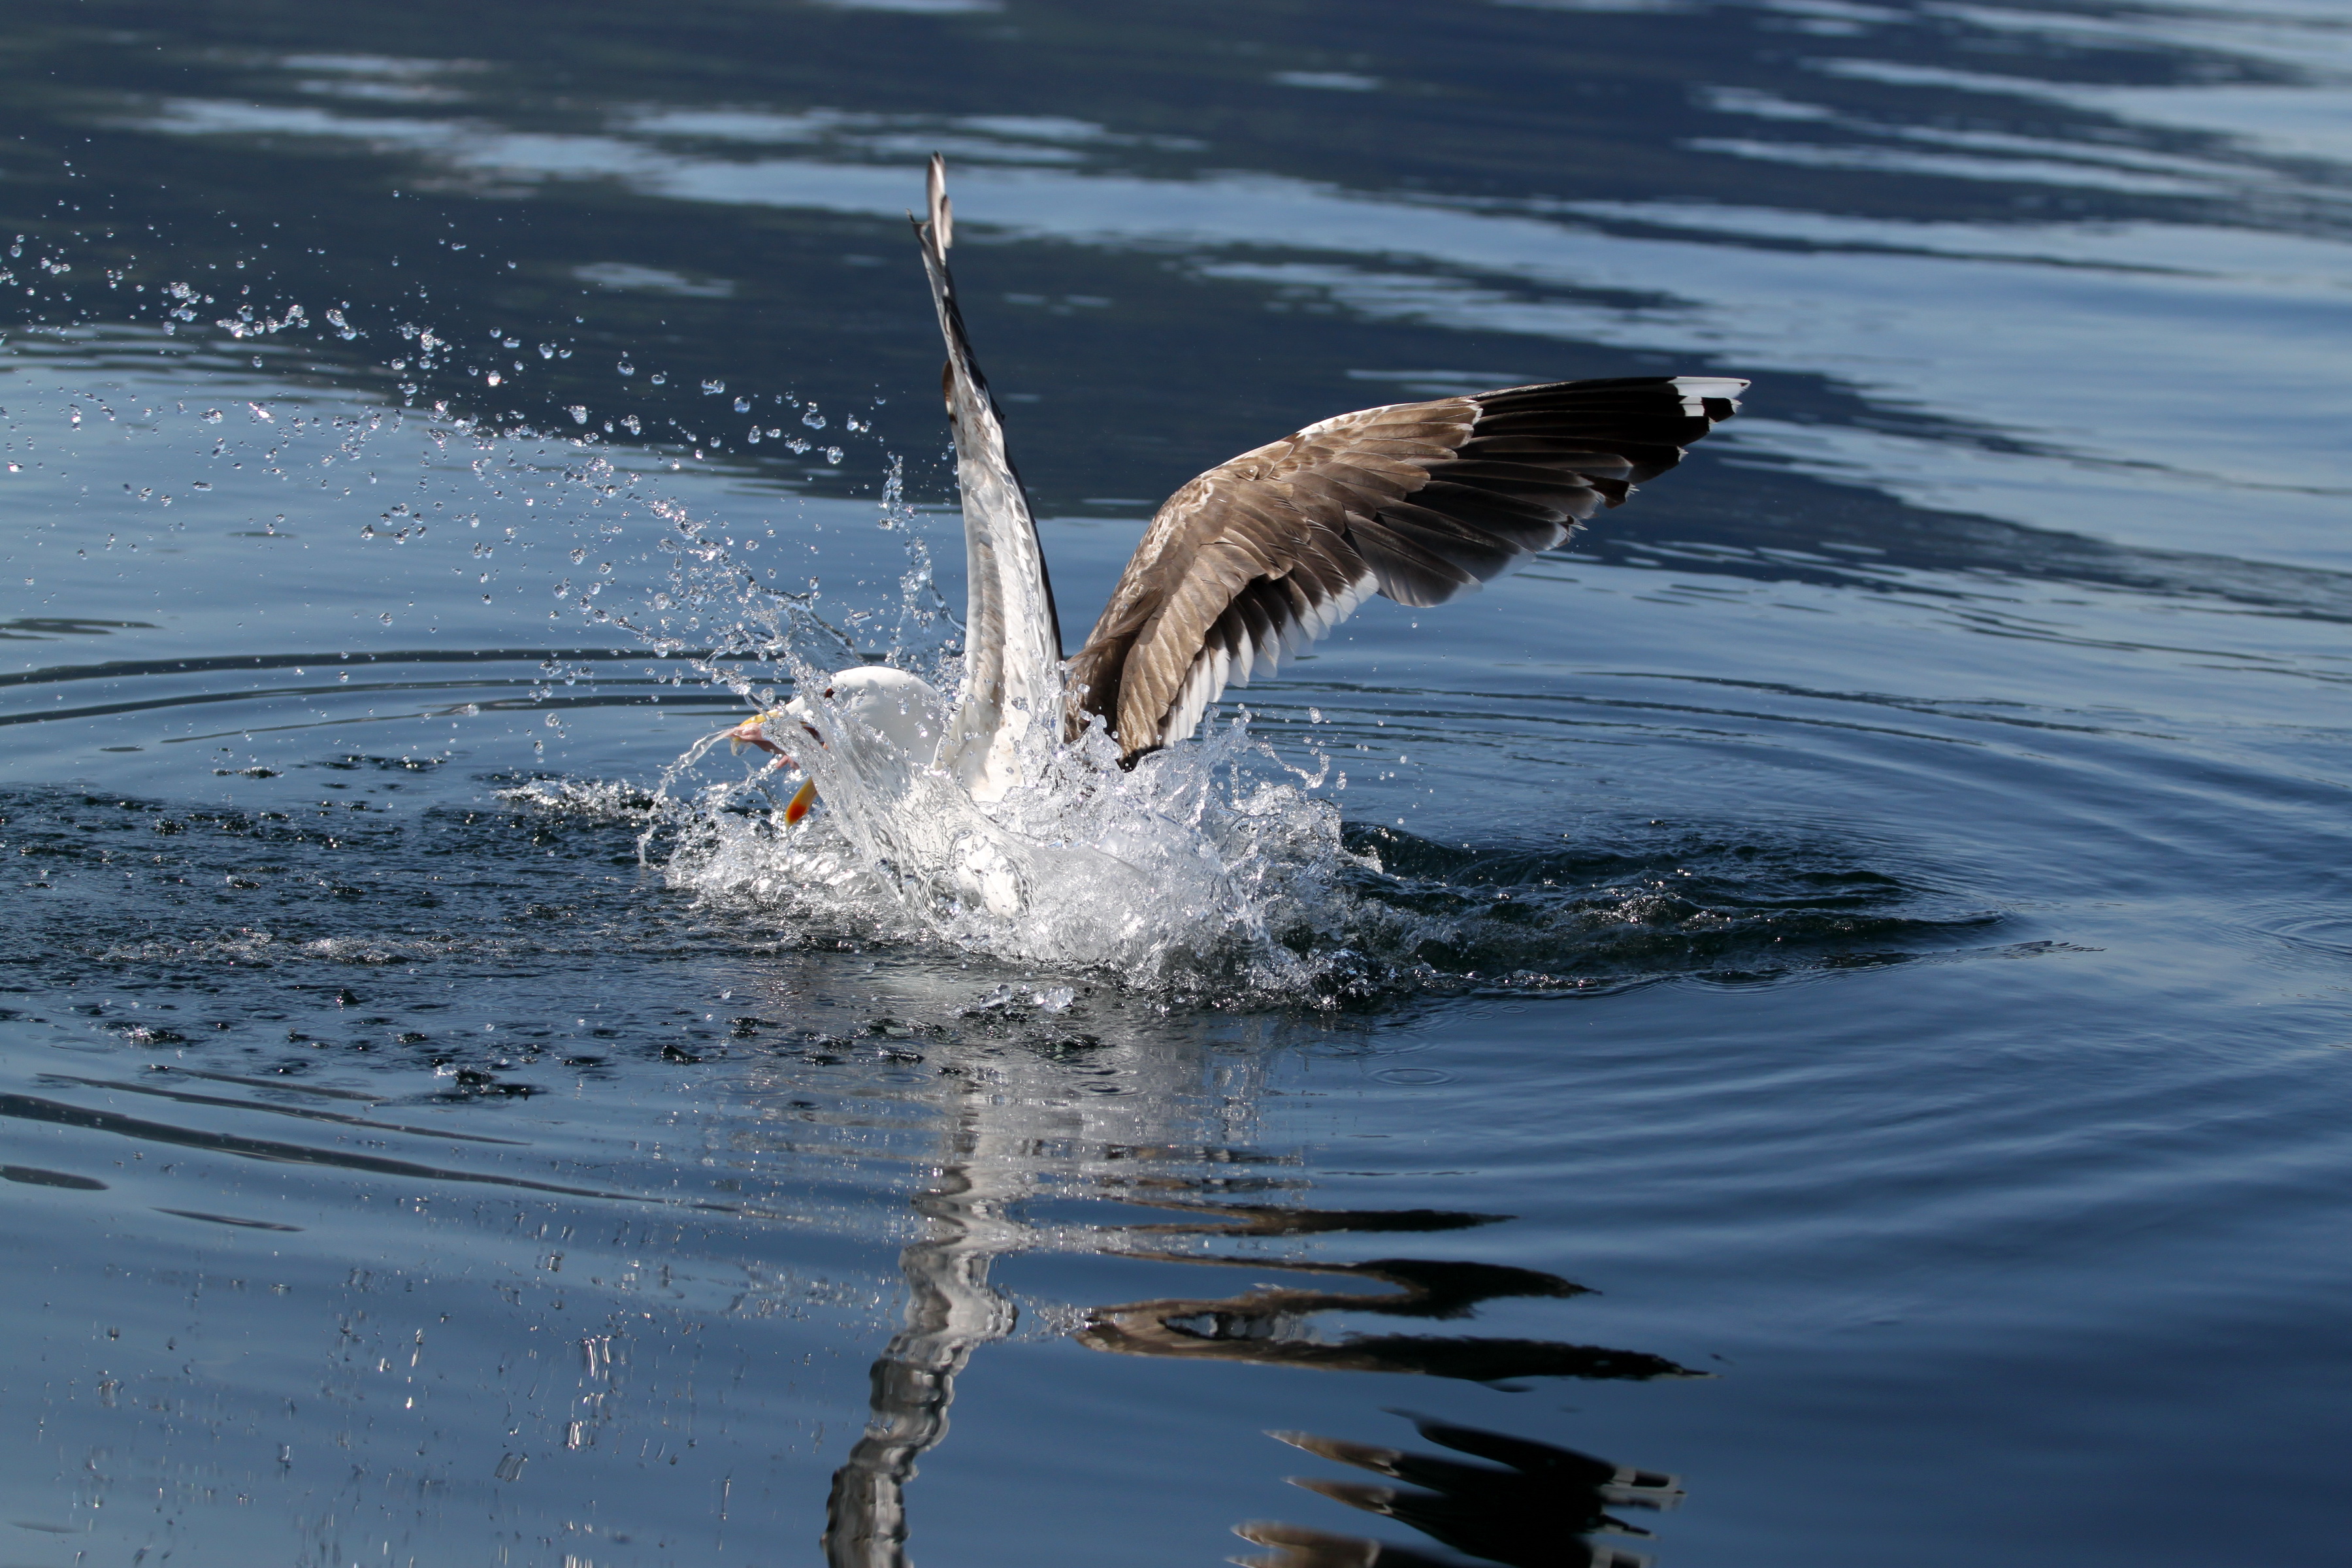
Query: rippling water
[(1811, 1024)]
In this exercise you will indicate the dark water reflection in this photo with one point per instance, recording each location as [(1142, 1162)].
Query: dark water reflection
[(1841, 991), (971, 1208), (1535, 1504)]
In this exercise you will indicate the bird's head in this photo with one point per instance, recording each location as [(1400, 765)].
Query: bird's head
[(880, 724)]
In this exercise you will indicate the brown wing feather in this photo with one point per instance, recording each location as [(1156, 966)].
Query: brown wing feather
[(1418, 501)]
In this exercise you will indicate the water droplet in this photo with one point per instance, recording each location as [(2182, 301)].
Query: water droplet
[(713, 388), (625, 368), (742, 405)]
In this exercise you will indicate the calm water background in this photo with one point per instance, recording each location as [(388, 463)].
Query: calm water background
[(1853, 1004)]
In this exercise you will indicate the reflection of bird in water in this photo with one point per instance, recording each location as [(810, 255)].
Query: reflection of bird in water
[(1251, 561), (1268, 1323), (1017, 1126), (1533, 1507), (951, 1310), (1017, 1120)]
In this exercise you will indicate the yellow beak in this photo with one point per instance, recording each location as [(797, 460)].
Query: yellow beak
[(802, 798)]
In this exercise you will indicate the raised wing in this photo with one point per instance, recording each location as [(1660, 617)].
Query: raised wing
[(1013, 640), (1264, 553)]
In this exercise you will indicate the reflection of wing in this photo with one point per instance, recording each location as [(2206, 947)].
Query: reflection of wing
[(1269, 1325), (1013, 643), (1012, 1116), (951, 1310), (1018, 1122), (1296, 1546), (1524, 1515), (1417, 501)]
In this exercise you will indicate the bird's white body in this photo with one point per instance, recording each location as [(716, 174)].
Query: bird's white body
[(876, 741), (882, 738)]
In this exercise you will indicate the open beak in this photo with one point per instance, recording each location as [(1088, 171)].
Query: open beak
[(752, 731)]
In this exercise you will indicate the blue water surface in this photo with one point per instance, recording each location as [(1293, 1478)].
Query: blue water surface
[(1829, 1043)]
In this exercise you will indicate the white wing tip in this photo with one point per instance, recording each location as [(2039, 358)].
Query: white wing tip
[(942, 215), (1696, 389)]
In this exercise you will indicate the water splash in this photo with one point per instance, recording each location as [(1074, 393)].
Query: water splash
[(1186, 874)]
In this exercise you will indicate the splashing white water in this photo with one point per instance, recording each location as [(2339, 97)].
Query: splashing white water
[(1184, 872)]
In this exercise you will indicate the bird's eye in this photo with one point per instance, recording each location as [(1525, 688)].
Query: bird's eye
[(828, 691)]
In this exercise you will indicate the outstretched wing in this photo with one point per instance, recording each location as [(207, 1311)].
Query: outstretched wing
[(1012, 642), (1418, 501)]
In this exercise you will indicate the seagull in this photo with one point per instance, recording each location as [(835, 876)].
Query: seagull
[(1253, 559)]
